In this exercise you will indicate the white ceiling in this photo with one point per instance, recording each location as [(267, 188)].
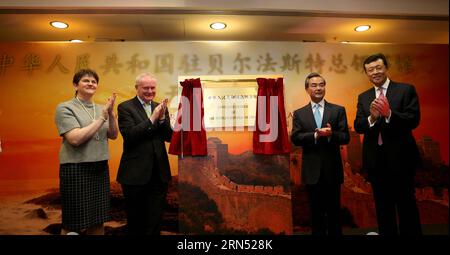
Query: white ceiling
[(415, 21)]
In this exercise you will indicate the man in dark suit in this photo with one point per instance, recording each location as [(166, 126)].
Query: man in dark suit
[(144, 171), (386, 115), (321, 128)]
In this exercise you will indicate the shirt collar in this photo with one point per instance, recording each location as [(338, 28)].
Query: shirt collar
[(384, 86), (321, 103), (142, 101)]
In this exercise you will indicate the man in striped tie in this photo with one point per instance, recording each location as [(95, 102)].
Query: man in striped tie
[(144, 170), (386, 115)]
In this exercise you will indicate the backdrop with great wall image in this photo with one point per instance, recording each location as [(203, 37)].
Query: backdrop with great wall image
[(29, 160)]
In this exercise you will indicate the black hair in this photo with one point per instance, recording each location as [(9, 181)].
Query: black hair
[(373, 58), (84, 72), (312, 75)]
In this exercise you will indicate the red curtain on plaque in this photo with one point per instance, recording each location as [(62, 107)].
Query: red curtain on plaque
[(270, 136), (189, 136)]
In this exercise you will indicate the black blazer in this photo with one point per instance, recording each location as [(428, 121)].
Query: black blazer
[(324, 157), (143, 143), (398, 141)]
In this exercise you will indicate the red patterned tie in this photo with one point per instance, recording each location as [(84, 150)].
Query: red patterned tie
[(380, 140)]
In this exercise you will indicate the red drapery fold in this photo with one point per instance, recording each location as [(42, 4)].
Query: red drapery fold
[(189, 136), (270, 136)]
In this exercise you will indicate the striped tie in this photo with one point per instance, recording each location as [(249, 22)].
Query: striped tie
[(148, 109)]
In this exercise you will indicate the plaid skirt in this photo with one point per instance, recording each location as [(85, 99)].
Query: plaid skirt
[(85, 198)]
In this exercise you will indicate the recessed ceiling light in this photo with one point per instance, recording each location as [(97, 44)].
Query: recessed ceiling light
[(59, 24), (218, 25), (362, 28), (76, 40), (345, 42)]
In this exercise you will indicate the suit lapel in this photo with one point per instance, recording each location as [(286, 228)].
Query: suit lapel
[(389, 92), (326, 114), (370, 97), (310, 115), (154, 104), (140, 109)]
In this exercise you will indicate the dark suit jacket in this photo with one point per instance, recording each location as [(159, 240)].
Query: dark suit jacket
[(323, 157), (398, 141), (143, 143)]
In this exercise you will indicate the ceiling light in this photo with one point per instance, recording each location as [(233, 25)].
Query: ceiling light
[(362, 28), (345, 42), (76, 40), (59, 24), (218, 25)]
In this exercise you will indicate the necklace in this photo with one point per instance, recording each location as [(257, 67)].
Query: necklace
[(97, 137)]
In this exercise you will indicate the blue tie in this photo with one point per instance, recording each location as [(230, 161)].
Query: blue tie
[(317, 116)]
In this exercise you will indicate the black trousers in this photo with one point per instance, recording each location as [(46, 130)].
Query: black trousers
[(394, 195), (145, 205), (325, 206)]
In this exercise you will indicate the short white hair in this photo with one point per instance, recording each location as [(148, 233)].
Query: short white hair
[(142, 76)]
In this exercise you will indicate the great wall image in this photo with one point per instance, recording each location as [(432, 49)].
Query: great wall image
[(243, 207)]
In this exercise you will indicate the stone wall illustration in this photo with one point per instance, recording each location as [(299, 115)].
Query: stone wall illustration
[(243, 207)]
